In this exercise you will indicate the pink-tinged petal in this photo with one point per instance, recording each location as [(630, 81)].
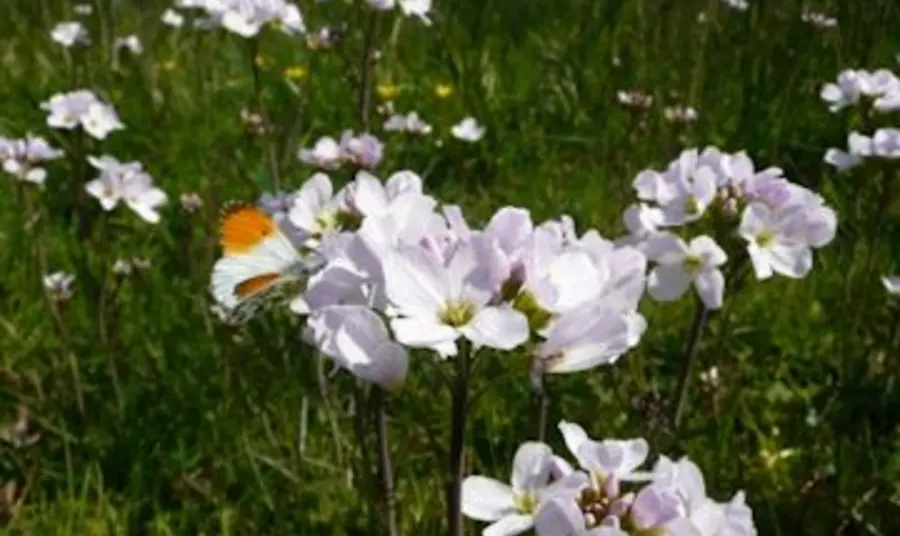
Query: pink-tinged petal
[(710, 286), (369, 197), (762, 266), (708, 250), (502, 328), (668, 282), (666, 248), (559, 517), (756, 218), (424, 333), (485, 499), (573, 435), (510, 227), (510, 526), (402, 182), (682, 527), (146, 213), (415, 283), (793, 261), (584, 339), (569, 486), (531, 466)]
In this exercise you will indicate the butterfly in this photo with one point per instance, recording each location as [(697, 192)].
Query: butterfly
[(259, 267)]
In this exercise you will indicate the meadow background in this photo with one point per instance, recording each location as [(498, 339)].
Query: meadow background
[(155, 418)]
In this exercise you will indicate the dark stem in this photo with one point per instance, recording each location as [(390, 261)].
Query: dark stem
[(364, 474), (268, 127), (385, 470), (543, 396), (364, 96), (459, 394), (700, 319)]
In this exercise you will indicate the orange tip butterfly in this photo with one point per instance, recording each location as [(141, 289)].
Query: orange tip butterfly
[(259, 264)]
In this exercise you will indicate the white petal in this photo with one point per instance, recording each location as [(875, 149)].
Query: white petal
[(668, 282), (531, 466), (559, 517), (423, 333), (762, 266), (791, 260), (415, 284), (710, 286), (708, 250), (502, 328), (509, 526), (666, 248), (486, 499), (573, 435)]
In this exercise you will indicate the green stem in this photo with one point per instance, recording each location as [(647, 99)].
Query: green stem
[(460, 403)]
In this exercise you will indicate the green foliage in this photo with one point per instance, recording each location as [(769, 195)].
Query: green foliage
[(154, 418)]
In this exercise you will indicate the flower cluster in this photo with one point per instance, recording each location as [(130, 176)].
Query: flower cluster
[(128, 183), (608, 495), (82, 108), (363, 150), (247, 17), (879, 91), (777, 222), (392, 258), (410, 123), (880, 88), (22, 158)]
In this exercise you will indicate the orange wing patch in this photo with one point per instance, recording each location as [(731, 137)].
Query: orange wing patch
[(255, 284), (243, 228)]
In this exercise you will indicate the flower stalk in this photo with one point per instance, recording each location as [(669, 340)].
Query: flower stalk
[(701, 318), (460, 407)]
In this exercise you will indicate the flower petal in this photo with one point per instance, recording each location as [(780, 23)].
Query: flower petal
[(486, 499)]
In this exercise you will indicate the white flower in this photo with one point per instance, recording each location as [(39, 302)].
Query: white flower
[(325, 154), (468, 130), (680, 265), (59, 285), (511, 508), (882, 86), (355, 338), (437, 299), (416, 8), (172, 18), (130, 42), (126, 182), (680, 114), (774, 243), (315, 209), (411, 123), (82, 108), (21, 158), (69, 34), (247, 17), (609, 461), (83, 9)]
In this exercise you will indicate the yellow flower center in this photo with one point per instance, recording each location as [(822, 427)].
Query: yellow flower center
[(526, 502), (693, 263), (765, 238), (457, 314), (691, 205)]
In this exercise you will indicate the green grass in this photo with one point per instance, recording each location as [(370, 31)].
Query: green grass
[(190, 427)]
